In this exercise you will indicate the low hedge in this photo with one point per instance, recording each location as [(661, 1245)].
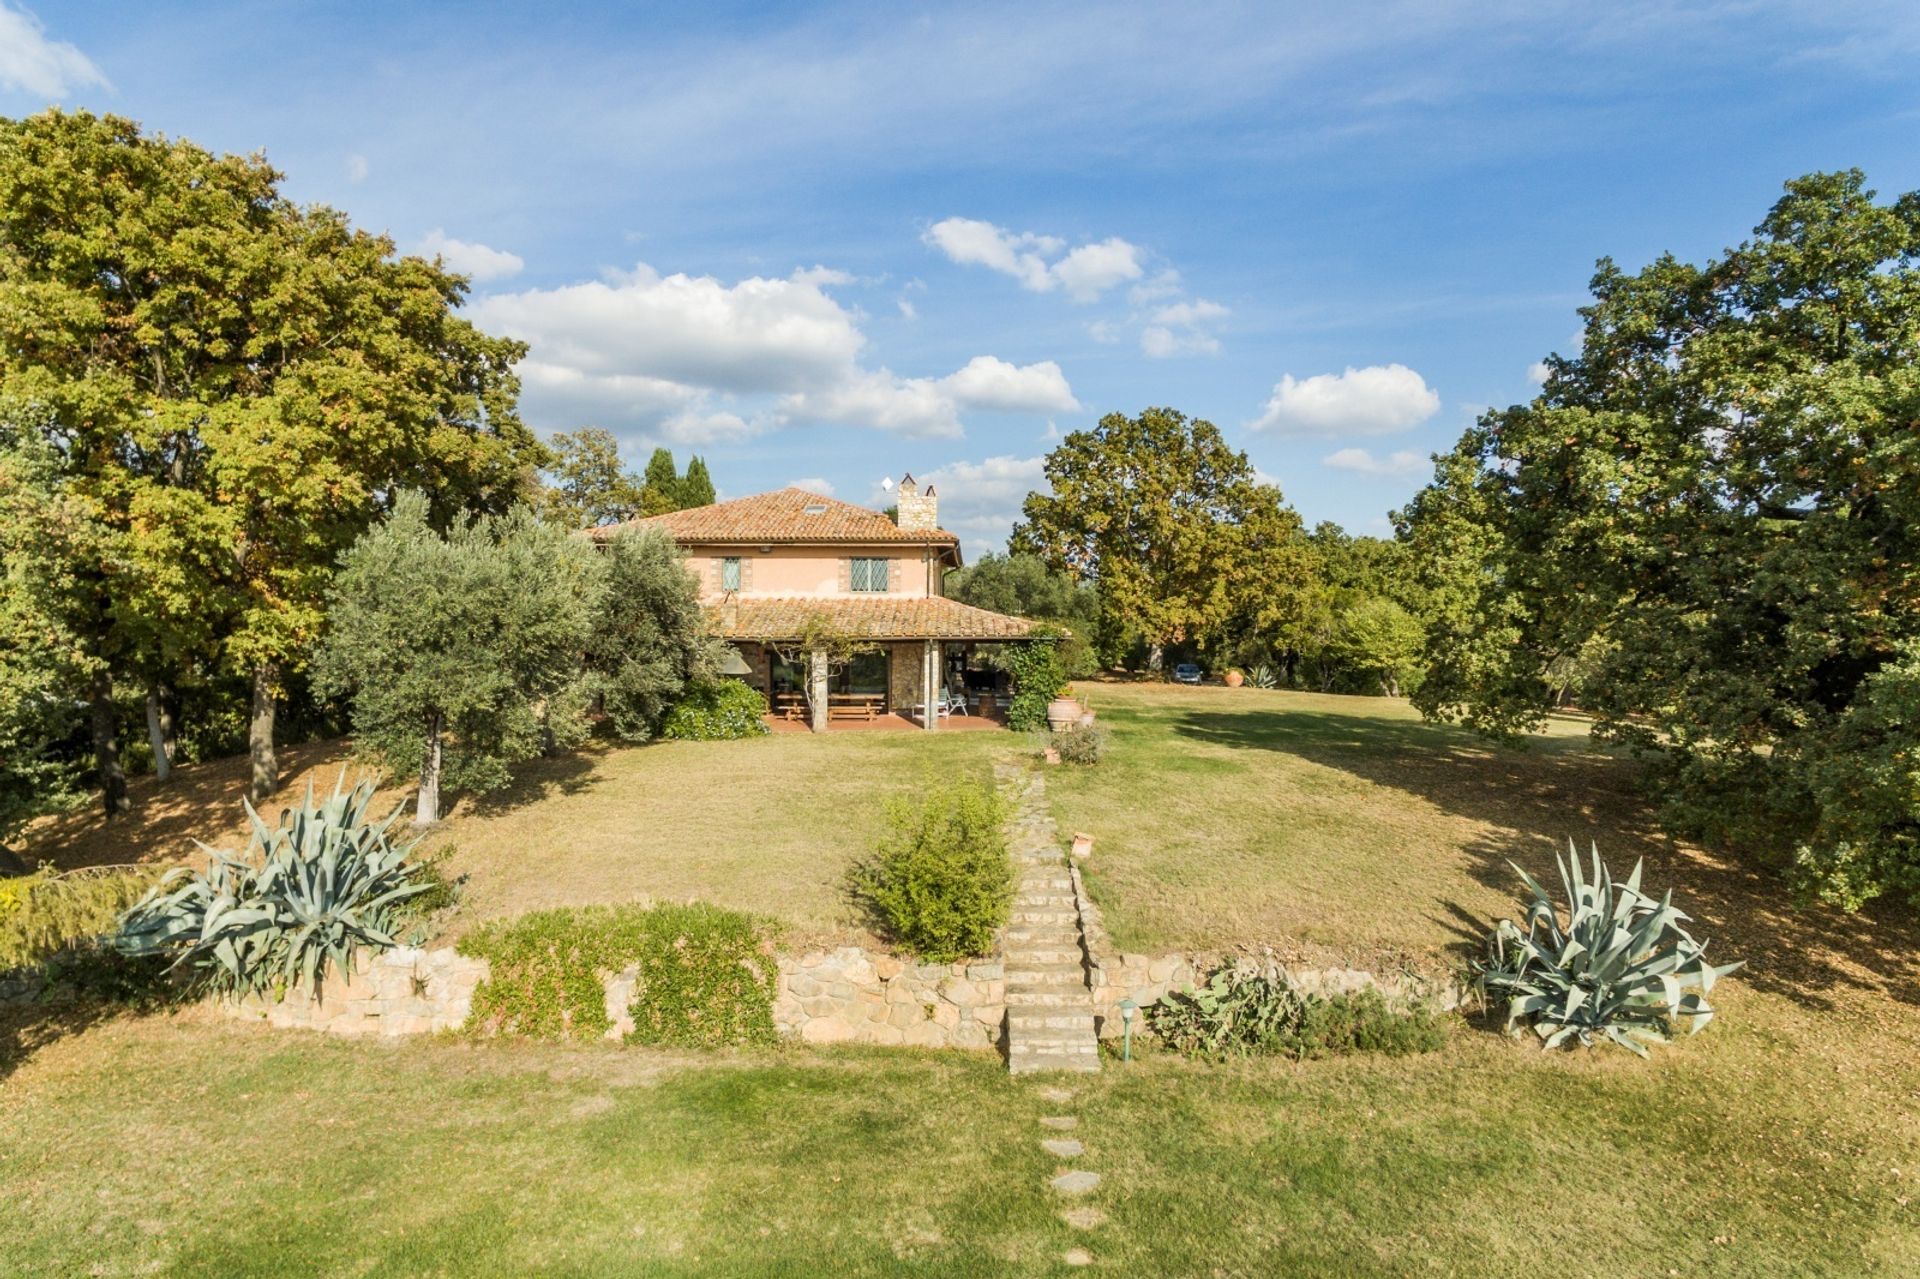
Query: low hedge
[(716, 710), (51, 911), (706, 975)]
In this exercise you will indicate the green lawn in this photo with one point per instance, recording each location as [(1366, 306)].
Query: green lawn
[(186, 1146), (1785, 1140), (1342, 824)]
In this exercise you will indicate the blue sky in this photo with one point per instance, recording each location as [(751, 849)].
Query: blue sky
[(837, 244)]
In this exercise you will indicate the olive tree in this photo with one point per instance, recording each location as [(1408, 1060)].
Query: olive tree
[(460, 650)]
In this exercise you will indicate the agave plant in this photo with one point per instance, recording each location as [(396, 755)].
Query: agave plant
[(309, 894), (1620, 967), (1263, 676)]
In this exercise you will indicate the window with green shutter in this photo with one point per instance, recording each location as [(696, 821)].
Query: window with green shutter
[(868, 575)]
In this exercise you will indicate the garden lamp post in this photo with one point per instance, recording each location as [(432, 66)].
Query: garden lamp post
[(1127, 1009)]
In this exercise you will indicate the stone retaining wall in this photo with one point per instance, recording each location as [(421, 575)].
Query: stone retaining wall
[(822, 997), (405, 991), (849, 996), (1144, 979)]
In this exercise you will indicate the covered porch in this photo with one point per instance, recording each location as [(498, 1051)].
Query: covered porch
[(858, 671), (888, 722)]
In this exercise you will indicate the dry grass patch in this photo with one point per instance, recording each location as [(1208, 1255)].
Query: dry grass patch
[(1345, 827), (767, 825)]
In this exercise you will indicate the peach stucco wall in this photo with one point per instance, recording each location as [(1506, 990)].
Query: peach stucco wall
[(814, 571)]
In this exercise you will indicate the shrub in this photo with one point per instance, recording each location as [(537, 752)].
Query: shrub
[(1263, 676), (1620, 968), (648, 646), (1038, 677), (312, 893), (716, 710), (439, 892), (1081, 745), (50, 911), (1245, 1011), (941, 883), (706, 976)]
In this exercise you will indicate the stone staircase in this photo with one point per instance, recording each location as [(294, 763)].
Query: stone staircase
[(1050, 1022)]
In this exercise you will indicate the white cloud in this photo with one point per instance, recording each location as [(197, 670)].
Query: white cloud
[(1035, 260), (1182, 328), (33, 64), (990, 383), (1537, 372), (477, 260), (357, 168), (814, 484), (690, 359), (564, 395), (1092, 269), (701, 428), (980, 501), (907, 311), (823, 275), (878, 399), (1377, 400), (1400, 463), (1164, 284), (757, 335), (974, 243), (1104, 331)]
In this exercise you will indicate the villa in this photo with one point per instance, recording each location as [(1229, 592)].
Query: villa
[(776, 567)]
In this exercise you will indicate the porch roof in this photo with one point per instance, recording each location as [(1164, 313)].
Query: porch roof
[(879, 618)]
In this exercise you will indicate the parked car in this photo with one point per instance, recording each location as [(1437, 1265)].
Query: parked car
[(1186, 673)]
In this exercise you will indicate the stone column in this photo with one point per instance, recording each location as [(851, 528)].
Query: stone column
[(930, 685), (817, 689)]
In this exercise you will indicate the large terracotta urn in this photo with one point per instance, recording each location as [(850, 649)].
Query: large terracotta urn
[(1062, 713), (1235, 679)]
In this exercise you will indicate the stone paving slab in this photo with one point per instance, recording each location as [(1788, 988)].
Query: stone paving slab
[(1075, 1183)]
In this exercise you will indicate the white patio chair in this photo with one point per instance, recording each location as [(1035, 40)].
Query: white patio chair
[(952, 703)]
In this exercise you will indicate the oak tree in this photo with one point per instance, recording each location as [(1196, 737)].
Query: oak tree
[(237, 383), (1721, 487), (1175, 527)]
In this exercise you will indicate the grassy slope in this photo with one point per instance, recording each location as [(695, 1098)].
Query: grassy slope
[(216, 1149), (1345, 825), (767, 825), (1782, 1141)]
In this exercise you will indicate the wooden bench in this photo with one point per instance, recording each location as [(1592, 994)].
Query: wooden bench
[(861, 706)]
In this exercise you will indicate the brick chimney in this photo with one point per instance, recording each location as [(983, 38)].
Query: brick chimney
[(919, 512)]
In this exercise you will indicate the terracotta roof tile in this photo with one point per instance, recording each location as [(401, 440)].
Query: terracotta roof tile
[(877, 618), (784, 516)]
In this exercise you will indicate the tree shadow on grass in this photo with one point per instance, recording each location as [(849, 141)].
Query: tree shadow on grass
[(570, 772), (199, 802), (25, 1029), (1533, 798)]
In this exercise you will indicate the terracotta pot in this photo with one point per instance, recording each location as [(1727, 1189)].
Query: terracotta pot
[(1235, 679), (1062, 713)]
